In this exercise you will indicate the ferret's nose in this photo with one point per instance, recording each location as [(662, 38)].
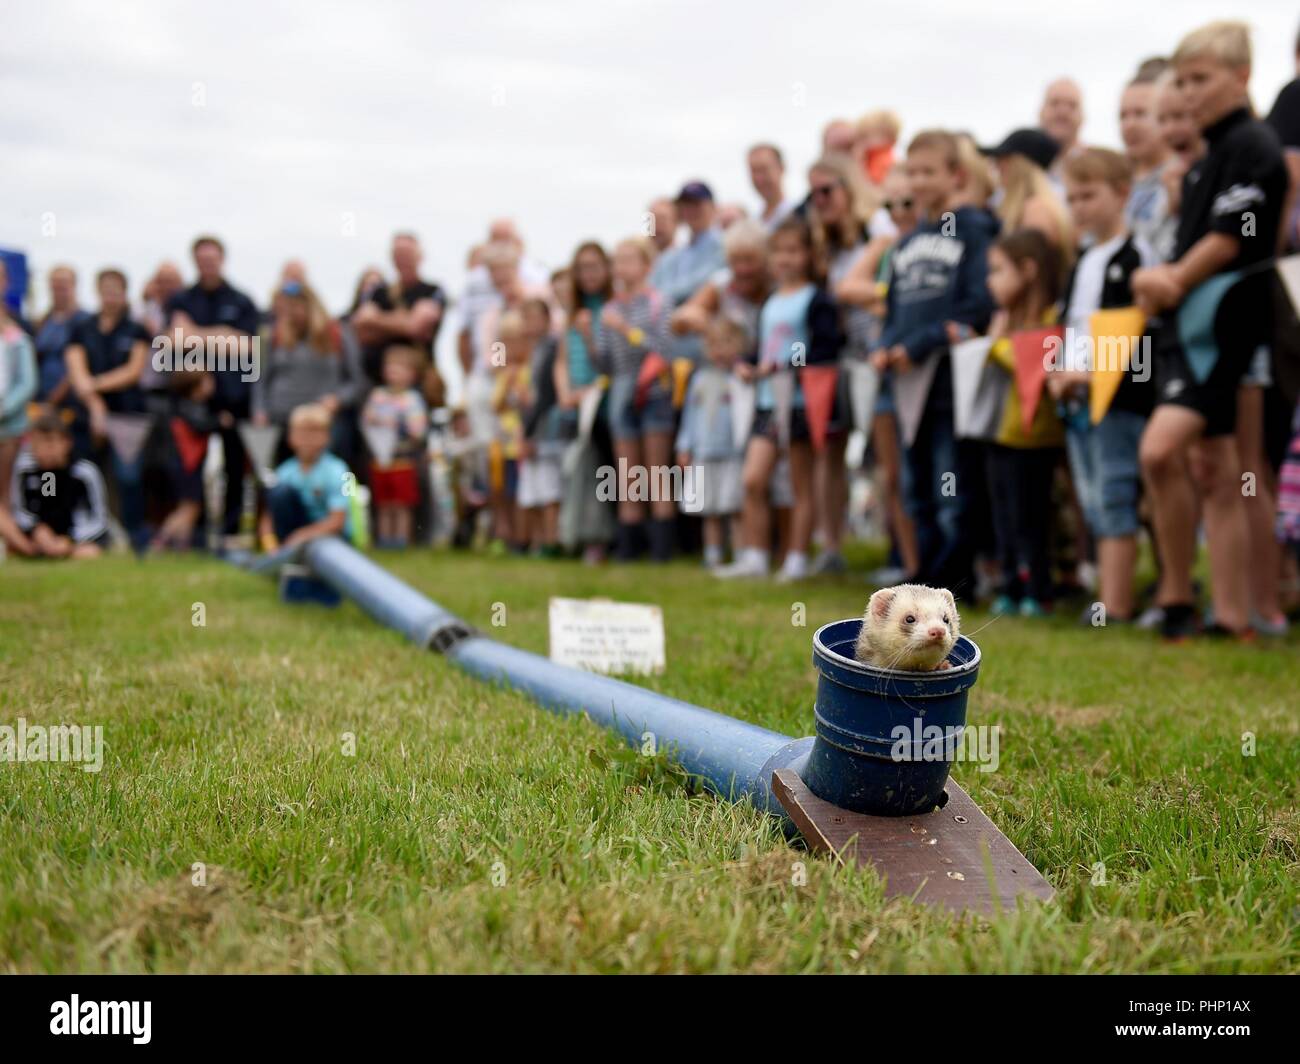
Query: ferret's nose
[(937, 632)]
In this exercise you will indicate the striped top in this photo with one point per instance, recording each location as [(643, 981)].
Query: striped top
[(646, 311)]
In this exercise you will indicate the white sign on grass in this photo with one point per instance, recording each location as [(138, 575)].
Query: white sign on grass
[(603, 636)]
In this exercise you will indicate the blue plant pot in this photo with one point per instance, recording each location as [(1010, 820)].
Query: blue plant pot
[(859, 761)]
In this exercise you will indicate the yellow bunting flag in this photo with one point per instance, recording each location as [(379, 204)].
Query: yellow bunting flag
[(1114, 332)]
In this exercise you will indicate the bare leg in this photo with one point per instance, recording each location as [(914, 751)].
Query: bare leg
[(755, 521), (627, 456), (659, 459), (831, 488), (1117, 564), (801, 474), (1163, 452), (1265, 554), (1218, 471)]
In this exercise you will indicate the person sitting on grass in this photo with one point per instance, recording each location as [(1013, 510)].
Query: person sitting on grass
[(57, 506), (310, 497)]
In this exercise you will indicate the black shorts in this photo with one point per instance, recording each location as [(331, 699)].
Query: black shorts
[(1215, 398), (765, 426)]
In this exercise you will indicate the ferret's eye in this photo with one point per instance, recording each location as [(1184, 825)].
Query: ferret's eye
[(910, 618), (945, 618)]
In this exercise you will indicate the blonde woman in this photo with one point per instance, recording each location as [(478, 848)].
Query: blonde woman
[(1029, 200), (306, 359)]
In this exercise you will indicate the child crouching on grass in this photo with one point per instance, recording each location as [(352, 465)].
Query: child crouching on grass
[(58, 507), (706, 443), (310, 497), (396, 407)]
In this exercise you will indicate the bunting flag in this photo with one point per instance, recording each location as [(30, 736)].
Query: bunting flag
[(682, 370), (126, 435), (864, 386), (782, 382), (1286, 348), (1288, 269), (1114, 332), (587, 408), (710, 387), (978, 389), (911, 389), (191, 445), (259, 442), (382, 441), (818, 385), (1029, 348), (742, 410), (1196, 318)]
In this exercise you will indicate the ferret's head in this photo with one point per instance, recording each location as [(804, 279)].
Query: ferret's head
[(916, 626)]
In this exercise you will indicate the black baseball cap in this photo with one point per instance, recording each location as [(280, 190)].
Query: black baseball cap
[(1033, 144), (695, 192)]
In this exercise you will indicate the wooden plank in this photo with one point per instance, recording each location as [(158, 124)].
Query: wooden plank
[(954, 857)]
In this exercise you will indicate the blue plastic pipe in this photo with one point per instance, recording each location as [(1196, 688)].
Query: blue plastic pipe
[(731, 757)]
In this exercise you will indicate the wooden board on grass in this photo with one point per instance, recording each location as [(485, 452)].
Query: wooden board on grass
[(954, 857)]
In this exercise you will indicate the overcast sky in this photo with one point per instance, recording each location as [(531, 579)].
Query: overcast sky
[(314, 130)]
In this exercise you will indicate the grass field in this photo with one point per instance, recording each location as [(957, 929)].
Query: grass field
[(472, 832)]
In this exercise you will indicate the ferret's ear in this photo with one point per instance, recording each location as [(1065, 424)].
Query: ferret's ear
[(880, 602), (952, 602)]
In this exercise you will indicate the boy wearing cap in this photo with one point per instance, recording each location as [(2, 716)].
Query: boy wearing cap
[(679, 272), (1231, 209)]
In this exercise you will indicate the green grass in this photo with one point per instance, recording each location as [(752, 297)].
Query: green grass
[(225, 748)]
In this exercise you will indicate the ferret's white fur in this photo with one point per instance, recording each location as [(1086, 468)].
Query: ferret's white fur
[(886, 642)]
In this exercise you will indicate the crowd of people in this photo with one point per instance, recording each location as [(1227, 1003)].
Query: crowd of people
[(696, 386)]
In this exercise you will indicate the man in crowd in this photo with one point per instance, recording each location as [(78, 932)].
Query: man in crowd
[(53, 333), (767, 174), (223, 317), (408, 312)]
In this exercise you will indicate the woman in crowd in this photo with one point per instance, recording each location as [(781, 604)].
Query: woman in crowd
[(18, 383), (308, 359), (586, 520), (841, 208)]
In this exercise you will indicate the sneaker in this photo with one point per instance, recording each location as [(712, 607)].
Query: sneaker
[(794, 568), (887, 576), (1179, 622), (829, 562), (1273, 629), (1151, 618), (1032, 608), (748, 566), (1003, 605)]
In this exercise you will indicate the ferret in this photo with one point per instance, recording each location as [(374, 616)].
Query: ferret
[(909, 627)]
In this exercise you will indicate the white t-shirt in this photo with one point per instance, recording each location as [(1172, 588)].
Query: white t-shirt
[(1089, 280)]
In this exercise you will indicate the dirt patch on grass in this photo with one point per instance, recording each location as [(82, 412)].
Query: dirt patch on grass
[(168, 914)]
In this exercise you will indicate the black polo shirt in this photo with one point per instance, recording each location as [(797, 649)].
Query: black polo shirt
[(227, 306), (1237, 187), (110, 350), (373, 357), (1285, 116)]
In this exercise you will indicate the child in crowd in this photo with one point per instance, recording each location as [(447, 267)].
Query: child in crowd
[(540, 480), (397, 410), (1230, 214), (877, 134), (937, 276), (1024, 281), (799, 325), (1181, 136), (632, 349), (706, 442), (57, 505), (18, 383), (190, 426), (465, 454), (1147, 212), (1104, 457), (310, 497), (510, 397)]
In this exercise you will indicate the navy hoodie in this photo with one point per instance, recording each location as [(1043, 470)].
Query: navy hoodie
[(938, 274)]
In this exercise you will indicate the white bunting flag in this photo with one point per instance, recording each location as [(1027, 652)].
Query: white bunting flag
[(382, 441), (911, 389), (742, 410), (126, 435), (259, 442), (979, 388), (864, 386)]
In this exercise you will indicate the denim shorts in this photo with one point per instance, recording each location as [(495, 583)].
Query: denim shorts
[(1104, 464), (627, 421)]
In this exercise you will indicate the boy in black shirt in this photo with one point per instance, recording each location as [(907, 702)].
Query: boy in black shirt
[(1231, 208), (58, 504)]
